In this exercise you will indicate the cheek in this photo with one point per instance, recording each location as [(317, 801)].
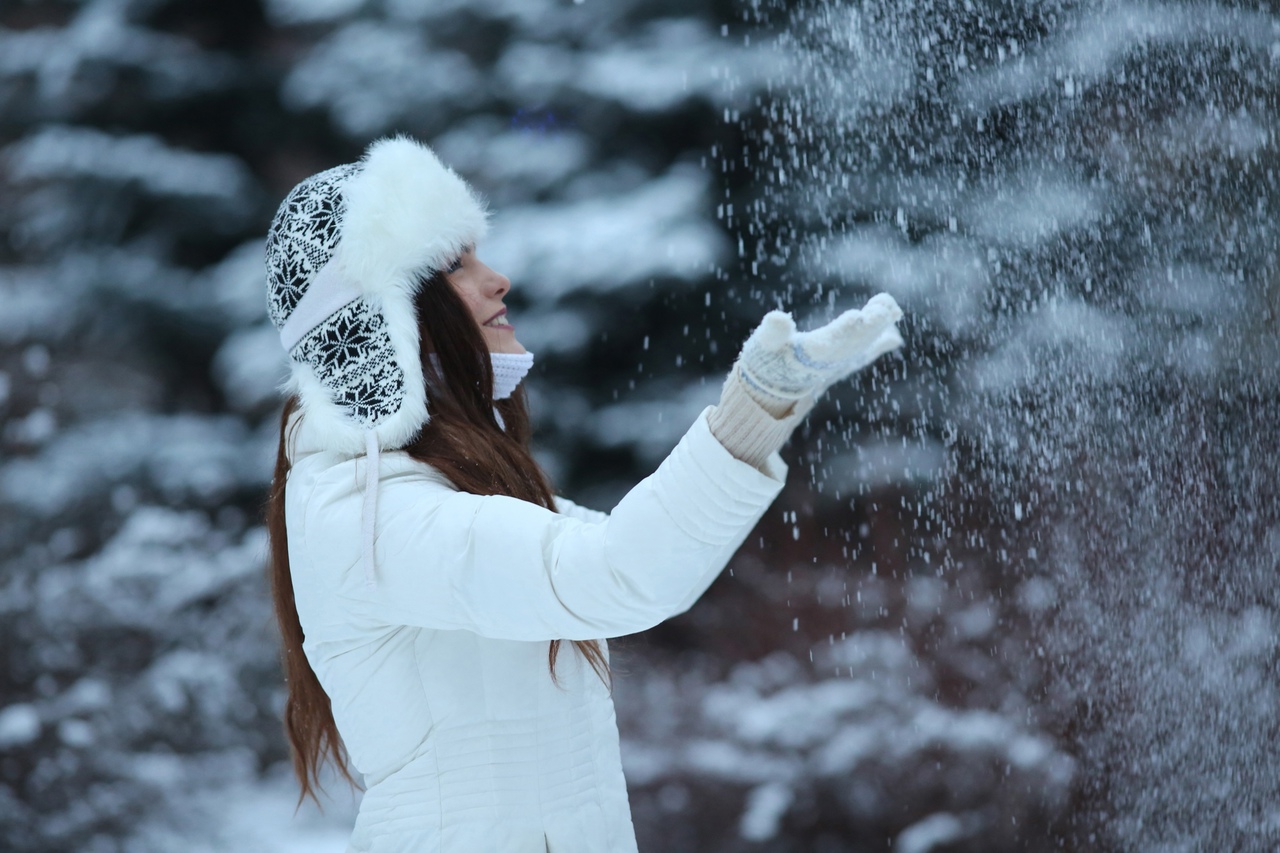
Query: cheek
[(471, 300)]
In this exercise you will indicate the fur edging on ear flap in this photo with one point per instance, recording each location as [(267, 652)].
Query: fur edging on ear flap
[(402, 328)]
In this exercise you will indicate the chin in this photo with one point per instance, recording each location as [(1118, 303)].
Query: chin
[(504, 343)]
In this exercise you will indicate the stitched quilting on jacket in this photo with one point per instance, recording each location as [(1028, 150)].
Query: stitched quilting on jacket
[(437, 671)]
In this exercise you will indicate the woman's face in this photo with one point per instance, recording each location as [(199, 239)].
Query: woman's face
[(482, 290)]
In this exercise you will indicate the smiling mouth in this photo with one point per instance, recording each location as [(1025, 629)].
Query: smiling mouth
[(498, 321)]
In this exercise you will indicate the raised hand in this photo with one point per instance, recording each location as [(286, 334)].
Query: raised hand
[(781, 365), (782, 371)]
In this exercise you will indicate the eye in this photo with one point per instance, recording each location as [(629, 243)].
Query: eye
[(455, 266)]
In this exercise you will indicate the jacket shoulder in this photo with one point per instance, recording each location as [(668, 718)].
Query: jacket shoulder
[(324, 493)]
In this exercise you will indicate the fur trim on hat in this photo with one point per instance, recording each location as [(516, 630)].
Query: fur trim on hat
[(406, 215)]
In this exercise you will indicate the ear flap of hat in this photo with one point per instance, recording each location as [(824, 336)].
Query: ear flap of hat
[(405, 215)]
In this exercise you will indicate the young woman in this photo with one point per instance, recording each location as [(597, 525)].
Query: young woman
[(426, 578)]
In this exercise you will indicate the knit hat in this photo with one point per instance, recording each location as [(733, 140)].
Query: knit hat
[(345, 255)]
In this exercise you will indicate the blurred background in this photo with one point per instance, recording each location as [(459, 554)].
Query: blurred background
[(1020, 591)]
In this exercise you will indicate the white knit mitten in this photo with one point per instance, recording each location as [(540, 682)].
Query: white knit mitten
[(781, 372)]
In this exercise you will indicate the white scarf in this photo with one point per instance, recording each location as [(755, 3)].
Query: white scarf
[(508, 369)]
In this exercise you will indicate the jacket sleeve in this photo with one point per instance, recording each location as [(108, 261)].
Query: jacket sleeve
[(508, 569), (568, 508)]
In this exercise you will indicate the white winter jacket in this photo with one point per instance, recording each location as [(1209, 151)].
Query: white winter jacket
[(438, 671)]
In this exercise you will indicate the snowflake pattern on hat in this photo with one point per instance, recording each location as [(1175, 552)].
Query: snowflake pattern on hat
[(351, 351), (303, 237), (352, 355)]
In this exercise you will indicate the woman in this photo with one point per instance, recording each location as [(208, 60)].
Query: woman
[(425, 576)]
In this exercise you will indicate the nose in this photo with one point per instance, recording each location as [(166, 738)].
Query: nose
[(498, 284)]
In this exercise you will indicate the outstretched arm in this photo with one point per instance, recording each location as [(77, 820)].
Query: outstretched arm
[(509, 569)]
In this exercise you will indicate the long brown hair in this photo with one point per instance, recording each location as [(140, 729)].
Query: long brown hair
[(464, 441)]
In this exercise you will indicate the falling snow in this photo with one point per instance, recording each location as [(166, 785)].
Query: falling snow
[(1019, 593)]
